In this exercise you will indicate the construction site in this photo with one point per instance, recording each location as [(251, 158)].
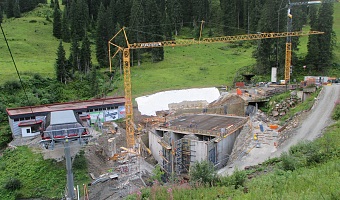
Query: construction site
[(174, 139), (123, 141)]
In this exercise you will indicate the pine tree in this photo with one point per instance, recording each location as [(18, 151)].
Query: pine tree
[(56, 3), (312, 56), (187, 6), (266, 52), (101, 37), (16, 9), (74, 58), (57, 25), (94, 82), (152, 21), (60, 66), (1, 14), (326, 40), (200, 10), (229, 16), (123, 12), (111, 19), (52, 4), (174, 15), (65, 28), (85, 55), (79, 18), (9, 8), (136, 26)]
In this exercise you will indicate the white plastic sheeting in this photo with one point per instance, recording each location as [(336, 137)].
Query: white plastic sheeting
[(148, 105)]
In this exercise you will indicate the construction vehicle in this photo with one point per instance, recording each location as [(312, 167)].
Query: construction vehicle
[(288, 61), (130, 135)]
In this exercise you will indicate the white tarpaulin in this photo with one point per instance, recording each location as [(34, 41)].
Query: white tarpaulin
[(148, 105)]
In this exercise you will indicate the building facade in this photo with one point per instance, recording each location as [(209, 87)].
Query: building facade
[(30, 121)]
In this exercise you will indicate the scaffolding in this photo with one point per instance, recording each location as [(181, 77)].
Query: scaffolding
[(178, 155)]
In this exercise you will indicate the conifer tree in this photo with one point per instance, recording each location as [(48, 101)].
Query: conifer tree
[(186, 6), (85, 55), (94, 82), (229, 16), (312, 56), (56, 3), (65, 28), (74, 58), (152, 21), (16, 9), (265, 53), (57, 25), (326, 40), (101, 37), (79, 18), (60, 66), (52, 4), (1, 14), (9, 8), (136, 26), (174, 15)]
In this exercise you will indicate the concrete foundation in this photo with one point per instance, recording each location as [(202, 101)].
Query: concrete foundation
[(194, 138)]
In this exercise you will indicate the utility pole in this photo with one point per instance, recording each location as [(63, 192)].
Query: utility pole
[(70, 183)]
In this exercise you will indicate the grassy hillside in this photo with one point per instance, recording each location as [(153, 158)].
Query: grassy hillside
[(25, 174), (34, 50), (32, 45)]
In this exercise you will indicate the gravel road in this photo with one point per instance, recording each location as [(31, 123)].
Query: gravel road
[(318, 118), (311, 128)]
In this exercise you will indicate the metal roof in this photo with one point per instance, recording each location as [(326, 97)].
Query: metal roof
[(64, 106), (63, 117)]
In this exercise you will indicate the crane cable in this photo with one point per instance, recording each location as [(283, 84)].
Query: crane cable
[(16, 69)]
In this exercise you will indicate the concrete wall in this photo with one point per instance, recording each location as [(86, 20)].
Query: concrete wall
[(154, 146), (199, 151), (225, 148)]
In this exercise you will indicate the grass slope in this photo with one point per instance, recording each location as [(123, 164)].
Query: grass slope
[(38, 177), (191, 66), (32, 45)]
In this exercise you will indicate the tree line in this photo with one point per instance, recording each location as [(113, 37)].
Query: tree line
[(93, 22)]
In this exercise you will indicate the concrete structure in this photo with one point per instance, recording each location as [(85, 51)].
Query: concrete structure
[(28, 121), (188, 139)]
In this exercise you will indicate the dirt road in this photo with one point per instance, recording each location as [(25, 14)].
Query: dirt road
[(312, 127), (318, 119)]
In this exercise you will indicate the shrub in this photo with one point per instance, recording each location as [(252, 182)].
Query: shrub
[(79, 162), (13, 184), (202, 172), (157, 174), (288, 162), (239, 178), (336, 112)]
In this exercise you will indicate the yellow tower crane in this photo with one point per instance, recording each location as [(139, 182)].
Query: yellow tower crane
[(130, 136), (289, 6)]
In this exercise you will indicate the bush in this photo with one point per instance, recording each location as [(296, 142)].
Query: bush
[(239, 177), (13, 184), (336, 112), (80, 162), (288, 162), (202, 172)]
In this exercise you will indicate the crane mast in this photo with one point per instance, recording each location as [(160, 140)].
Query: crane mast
[(288, 61), (130, 136)]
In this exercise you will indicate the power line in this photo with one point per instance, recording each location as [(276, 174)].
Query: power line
[(15, 66)]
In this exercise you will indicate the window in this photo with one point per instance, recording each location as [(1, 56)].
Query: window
[(28, 130), (35, 128)]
